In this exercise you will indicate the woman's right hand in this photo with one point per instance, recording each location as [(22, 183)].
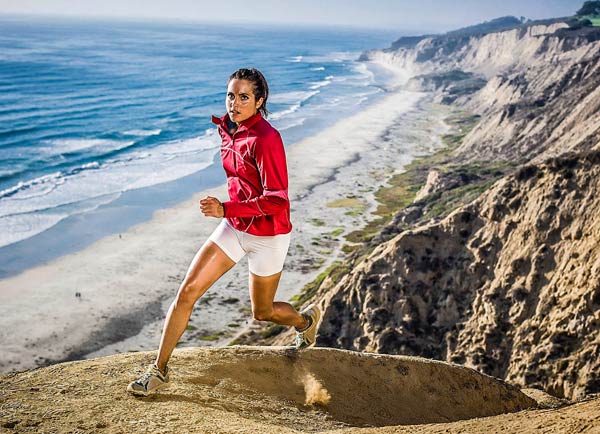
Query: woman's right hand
[(212, 207)]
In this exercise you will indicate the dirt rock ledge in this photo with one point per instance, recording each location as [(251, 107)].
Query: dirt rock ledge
[(273, 389)]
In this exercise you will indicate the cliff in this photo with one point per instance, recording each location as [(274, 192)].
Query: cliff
[(536, 86), (504, 278), (505, 284)]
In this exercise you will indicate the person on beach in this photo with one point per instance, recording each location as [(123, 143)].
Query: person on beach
[(255, 222)]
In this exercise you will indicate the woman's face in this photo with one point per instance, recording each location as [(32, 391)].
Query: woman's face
[(240, 101)]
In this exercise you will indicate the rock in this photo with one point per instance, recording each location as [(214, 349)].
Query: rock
[(489, 285)]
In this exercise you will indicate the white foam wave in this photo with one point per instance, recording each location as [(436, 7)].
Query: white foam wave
[(361, 100), (333, 57), (295, 59), (282, 113), (143, 133), (64, 146), (34, 187), (363, 70), (190, 146), (74, 189), (291, 97), (294, 101), (319, 84), (318, 68), (21, 227), (296, 122), (9, 172)]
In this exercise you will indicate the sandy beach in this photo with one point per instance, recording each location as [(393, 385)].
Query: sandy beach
[(128, 280)]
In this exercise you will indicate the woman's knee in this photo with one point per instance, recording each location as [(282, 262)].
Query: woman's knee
[(263, 313), (188, 295)]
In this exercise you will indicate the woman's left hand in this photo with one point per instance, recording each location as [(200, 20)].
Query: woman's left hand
[(212, 207)]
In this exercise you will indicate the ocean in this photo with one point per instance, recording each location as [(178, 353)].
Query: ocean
[(104, 122)]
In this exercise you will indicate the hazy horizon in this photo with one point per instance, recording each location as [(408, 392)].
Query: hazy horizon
[(409, 15)]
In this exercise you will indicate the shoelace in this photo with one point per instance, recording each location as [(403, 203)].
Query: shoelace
[(144, 379)]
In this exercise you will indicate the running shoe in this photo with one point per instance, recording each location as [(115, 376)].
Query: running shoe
[(307, 337), (151, 381)]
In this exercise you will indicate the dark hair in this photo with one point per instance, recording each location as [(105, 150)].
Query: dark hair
[(259, 85)]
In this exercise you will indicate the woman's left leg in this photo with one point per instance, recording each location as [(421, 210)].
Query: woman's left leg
[(262, 294)]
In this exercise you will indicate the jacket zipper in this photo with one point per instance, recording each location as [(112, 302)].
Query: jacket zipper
[(235, 167)]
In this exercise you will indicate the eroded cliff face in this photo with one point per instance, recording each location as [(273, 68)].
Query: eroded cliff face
[(507, 284), (540, 93), (490, 54)]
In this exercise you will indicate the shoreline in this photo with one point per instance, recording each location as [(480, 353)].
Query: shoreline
[(132, 207), (119, 210), (120, 278)]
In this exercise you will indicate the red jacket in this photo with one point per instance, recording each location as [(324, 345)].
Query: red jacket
[(255, 165)]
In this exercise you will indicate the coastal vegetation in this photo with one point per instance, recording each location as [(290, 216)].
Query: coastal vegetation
[(588, 15)]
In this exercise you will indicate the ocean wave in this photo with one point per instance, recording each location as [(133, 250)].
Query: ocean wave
[(293, 100), (293, 97), (196, 144), (7, 173), (138, 169), (319, 84), (21, 227), (143, 133), (43, 185), (296, 122), (361, 100), (282, 113), (318, 68), (364, 72), (48, 181), (67, 146), (295, 59), (333, 57), (17, 131)]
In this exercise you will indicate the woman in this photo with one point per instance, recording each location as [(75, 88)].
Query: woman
[(256, 222)]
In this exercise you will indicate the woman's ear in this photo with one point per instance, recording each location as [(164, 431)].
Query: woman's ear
[(259, 102)]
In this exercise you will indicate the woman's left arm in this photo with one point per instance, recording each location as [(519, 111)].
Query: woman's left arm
[(269, 154)]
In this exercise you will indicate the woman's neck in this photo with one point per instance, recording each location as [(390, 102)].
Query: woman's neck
[(231, 126)]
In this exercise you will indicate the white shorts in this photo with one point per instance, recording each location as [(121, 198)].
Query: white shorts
[(266, 254)]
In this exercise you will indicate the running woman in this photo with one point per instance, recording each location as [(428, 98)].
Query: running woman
[(255, 222)]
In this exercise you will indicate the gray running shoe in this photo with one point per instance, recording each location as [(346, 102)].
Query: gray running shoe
[(151, 381), (307, 337)]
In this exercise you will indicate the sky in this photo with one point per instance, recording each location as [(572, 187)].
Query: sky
[(409, 15)]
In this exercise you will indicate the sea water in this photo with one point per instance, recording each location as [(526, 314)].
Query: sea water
[(101, 123)]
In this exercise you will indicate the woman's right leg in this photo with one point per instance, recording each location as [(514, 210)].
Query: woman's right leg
[(209, 264)]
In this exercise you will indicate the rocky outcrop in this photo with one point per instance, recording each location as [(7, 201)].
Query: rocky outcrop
[(507, 284), (488, 55), (253, 390), (536, 86)]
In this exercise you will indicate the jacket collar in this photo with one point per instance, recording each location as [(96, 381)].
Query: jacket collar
[(246, 124)]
